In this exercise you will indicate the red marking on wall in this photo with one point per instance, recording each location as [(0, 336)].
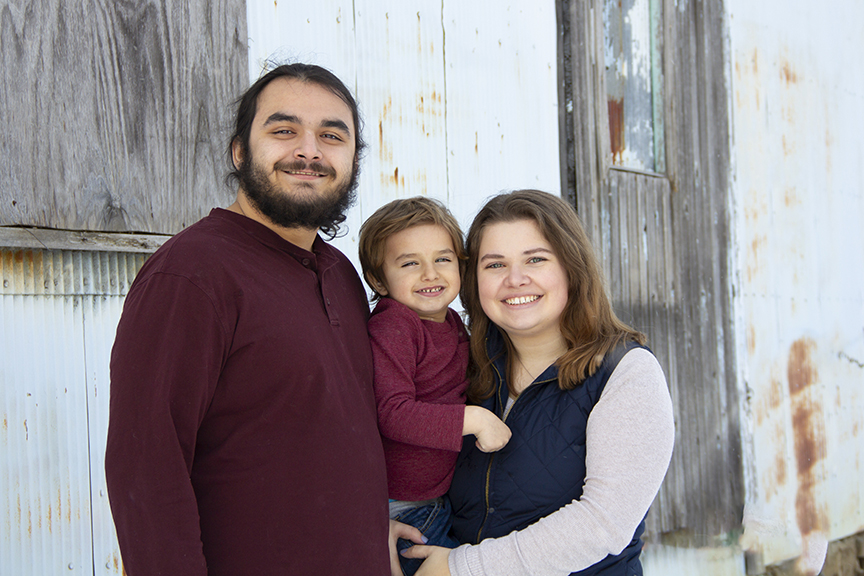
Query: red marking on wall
[(808, 427), (616, 129)]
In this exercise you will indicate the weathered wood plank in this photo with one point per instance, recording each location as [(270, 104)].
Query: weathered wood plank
[(115, 115), (47, 239), (664, 245)]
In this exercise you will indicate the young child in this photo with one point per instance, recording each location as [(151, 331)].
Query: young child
[(412, 253)]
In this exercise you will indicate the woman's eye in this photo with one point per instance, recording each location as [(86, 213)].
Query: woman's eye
[(536, 259), (494, 265)]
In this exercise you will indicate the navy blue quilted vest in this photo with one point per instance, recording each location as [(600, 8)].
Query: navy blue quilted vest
[(541, 469)]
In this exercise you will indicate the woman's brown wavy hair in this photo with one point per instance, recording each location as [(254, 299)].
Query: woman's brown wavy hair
[(588, 323)]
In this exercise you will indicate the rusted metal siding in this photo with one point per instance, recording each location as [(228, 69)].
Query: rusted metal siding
[(58, 312), (460, 99), (799, 197)]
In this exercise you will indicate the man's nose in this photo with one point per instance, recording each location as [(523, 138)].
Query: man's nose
[(307, 147)]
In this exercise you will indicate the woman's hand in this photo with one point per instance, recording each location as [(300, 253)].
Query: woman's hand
[(400, 530), (436, 560)]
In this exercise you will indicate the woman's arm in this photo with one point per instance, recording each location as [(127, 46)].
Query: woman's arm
[(628, 447)]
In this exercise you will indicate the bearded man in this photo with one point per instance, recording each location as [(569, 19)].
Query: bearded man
[(243, 435)]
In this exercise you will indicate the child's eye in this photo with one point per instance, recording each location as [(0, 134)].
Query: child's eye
[(495, 265), (443, 259), (409, 263)]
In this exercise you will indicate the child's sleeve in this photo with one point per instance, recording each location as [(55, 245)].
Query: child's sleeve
[(401, 417)]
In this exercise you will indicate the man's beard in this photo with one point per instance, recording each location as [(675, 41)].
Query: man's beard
[(323, 211)]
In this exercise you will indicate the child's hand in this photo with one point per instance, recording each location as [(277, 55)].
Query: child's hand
[(492, 434)]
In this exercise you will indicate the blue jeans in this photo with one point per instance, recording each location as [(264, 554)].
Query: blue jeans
[(434, 522)]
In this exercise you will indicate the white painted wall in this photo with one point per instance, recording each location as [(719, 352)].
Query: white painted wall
[(459, 98), (798, 189)]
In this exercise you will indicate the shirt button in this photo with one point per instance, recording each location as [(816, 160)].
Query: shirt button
[(306, 262)]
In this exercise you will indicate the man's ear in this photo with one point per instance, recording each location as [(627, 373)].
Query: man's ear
[(376, 284), (236, 153)]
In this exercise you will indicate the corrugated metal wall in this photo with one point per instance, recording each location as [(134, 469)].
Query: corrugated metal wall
[(58, 312), (799, 192), (460, 99)]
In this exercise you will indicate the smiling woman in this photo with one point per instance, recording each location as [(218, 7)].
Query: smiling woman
[(586, 402)]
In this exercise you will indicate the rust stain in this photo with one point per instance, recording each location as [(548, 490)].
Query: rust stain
[(787, 73), (476, 143), (780, 470), (775, 397), (801, 372), (809, 433), (616, 128), (791, 198), (787, 148), (756, 246), (381, 134), (396, 176)]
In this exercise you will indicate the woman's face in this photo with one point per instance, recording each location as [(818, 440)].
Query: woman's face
[(522, 285)]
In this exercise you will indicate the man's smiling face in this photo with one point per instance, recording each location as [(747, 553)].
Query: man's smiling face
[(300, 166)]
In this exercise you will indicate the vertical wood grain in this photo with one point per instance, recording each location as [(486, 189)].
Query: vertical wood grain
[(115, 115)]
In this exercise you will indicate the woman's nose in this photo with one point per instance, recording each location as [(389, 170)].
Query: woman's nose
[(516, 276)]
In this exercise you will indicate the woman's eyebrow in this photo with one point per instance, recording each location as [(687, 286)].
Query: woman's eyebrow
[(536, 251)]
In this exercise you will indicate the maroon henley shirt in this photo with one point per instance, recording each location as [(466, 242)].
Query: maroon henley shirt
[(242, 435)]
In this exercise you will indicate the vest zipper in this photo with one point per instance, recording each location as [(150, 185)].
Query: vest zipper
[(504, 414)]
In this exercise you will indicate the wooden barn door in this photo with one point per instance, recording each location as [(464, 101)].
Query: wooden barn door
[(646, 154)]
